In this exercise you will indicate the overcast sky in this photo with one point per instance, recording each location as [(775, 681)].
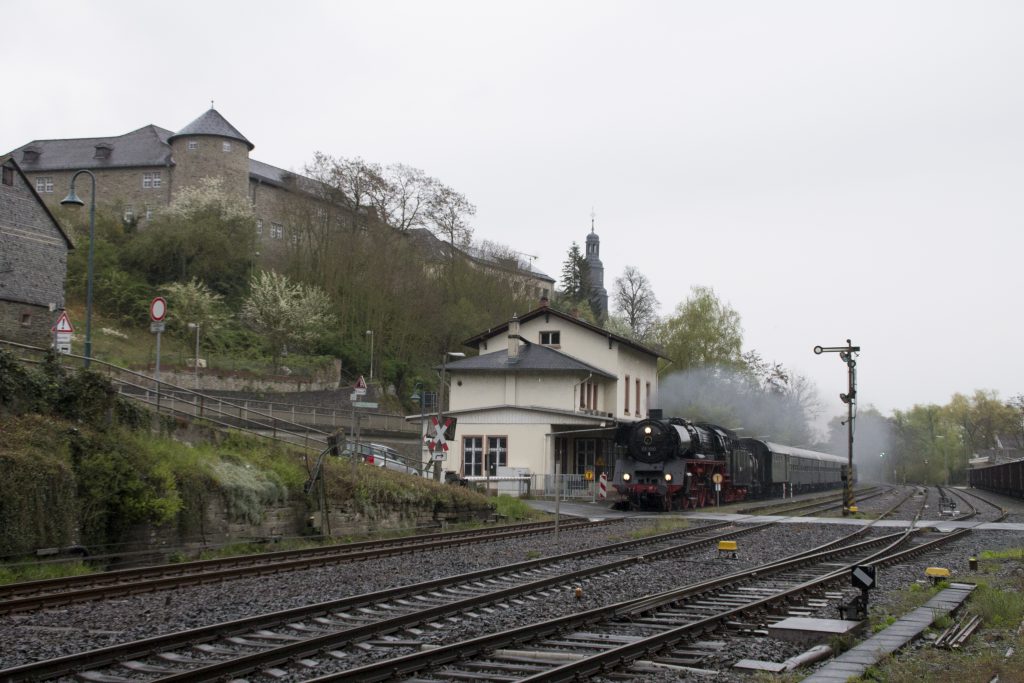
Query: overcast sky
[(832, 170)]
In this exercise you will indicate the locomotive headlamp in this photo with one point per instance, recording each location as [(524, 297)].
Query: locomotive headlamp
[(647, 429), (626, 476), (668, 476)]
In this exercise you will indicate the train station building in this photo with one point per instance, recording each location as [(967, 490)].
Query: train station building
[(546, 388)]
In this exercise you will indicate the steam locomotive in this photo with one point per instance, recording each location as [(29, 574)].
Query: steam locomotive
[(675, 464)]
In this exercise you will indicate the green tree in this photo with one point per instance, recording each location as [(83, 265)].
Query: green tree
[(205, 233), (575, 285), (703, 332), (286, 312)]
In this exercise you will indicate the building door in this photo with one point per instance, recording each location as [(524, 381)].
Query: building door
[(585, 455)]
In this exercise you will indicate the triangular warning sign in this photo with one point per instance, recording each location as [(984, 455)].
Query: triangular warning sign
[(360, 383), (63, 324)]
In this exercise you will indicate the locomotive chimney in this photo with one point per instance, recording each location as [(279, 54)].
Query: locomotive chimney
[(513, 338)]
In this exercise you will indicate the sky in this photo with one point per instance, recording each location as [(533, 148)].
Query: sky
[(833, 170)]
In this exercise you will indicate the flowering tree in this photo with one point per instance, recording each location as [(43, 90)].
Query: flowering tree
[(286, 312)]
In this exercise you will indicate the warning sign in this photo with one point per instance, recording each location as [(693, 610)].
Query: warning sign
[(63, 324), (360, 388)]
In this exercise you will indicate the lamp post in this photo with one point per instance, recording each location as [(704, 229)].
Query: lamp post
[(195, 361), (419, 397), (443, 403), (73, 200), (369, 333), (945, 457)]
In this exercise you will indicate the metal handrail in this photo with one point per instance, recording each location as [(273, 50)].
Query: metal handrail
[(199, 403)]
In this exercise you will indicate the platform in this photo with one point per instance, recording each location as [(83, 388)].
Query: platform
[(856, 660)]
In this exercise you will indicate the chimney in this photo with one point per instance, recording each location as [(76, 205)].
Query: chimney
[(513, 338)]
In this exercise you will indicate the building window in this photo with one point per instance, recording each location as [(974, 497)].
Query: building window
[(225, 146), (259, 226), (193, 145), (276, 231), (648, 397), (26, 319), (44, 184), (472, 456), (151, 180), (8, 175), (550, 338), (149, 213), (627, 395), (637, 413), (497, 452), (129, 214)]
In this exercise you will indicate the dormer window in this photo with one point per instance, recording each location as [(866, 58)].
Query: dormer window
[(103, 151), (553, 338), (8, 175), (30, 155)]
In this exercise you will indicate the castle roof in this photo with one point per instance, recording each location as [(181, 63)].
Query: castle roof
[(212, 123), (146, 146)]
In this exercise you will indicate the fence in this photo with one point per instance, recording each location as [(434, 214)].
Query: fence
[(541, 486)]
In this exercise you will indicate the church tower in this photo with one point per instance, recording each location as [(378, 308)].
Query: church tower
[(598, 296)]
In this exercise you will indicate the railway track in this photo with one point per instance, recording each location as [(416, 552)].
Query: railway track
[(305, 636), (654, 632), (32, 595), (969, 499)]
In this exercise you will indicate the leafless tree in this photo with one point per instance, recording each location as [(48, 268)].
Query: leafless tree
[(404, 196), (449, 214), (635, 301)]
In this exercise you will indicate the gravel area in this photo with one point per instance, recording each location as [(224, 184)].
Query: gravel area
[(72, 629)]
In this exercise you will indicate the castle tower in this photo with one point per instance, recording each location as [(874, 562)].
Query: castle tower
[(595, 276), (210, 147)]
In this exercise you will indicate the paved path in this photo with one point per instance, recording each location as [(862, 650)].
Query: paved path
[(856, 661), (602, 510)]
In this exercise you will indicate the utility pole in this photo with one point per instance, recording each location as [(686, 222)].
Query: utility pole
[(846, 354)]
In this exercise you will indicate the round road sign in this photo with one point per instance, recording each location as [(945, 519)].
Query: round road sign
[(158, 309), (716, 477)]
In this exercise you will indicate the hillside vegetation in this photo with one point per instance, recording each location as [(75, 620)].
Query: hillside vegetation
[(81, 465)]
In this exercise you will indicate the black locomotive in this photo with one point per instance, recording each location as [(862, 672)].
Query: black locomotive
[(676, 464)]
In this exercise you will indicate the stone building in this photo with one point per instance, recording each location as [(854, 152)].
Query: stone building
[(33, 260), (143, 170)]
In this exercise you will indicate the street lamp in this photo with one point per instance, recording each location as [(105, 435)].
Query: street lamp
[(369, 333), (419, 397), (195, 363), (73, 200), (442, 404)]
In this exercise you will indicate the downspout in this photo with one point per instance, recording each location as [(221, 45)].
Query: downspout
[(575, 404)]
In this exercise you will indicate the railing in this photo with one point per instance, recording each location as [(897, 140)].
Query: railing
[(333, 418), (173, 400)]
